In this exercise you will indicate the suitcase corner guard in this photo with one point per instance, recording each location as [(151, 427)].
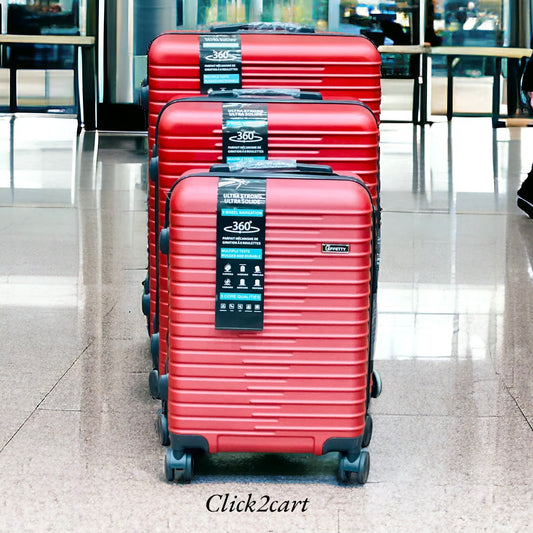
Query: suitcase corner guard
[(180, 444), (162, 387), (350, 447), (153, 382)]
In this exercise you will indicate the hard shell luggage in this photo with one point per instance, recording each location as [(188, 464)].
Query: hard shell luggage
[(198, 132), (189, 63), (186, 63), (270, 280)]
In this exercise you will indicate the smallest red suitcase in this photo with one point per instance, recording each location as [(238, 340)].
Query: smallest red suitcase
[(270, 309)]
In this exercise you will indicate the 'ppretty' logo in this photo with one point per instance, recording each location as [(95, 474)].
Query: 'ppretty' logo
[(335, 248)]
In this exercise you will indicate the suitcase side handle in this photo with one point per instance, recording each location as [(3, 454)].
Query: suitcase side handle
[(271, 165), (281, 92), (261, 26)]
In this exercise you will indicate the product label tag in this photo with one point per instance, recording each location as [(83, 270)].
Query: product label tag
[(244, 132), (240, 265), (220, 62)]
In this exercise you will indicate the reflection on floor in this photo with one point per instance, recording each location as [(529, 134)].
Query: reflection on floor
[(452, 448)]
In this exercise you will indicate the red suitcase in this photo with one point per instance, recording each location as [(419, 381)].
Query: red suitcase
[(197, 132), (339, 66), (286, 369)]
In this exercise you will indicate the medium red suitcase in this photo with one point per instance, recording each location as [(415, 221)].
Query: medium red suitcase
[(185, 64), (270, 280), (198, 132)]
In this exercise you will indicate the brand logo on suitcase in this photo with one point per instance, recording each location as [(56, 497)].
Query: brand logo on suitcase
[(246, 137), (335, 248), (223, 55)]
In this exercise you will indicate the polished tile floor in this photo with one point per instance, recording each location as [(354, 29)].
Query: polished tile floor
[(452, 448)]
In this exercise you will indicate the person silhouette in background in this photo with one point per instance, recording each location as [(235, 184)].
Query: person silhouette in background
[(524, 194)]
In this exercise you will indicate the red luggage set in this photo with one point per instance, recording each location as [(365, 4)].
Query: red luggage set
[(263, 244)]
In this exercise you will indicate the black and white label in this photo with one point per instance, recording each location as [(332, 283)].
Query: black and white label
[(244, 132), (240, 269), (220, 62)]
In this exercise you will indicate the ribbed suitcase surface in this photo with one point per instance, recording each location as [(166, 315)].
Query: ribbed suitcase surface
[(303, 379), (344, 136), (340, 67)]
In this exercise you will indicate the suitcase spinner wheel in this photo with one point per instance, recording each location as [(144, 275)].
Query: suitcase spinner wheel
[(161, 428), (360, 467), (145, 302), (185, 465), (146, 297), (367, 435), (376, 387)]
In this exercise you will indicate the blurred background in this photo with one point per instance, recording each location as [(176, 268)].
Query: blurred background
[(124, 29)]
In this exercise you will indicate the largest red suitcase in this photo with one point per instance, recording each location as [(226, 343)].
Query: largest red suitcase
[(295, 379), (340, 67), (191, 134)]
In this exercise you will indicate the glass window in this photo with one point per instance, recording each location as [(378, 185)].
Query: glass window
[(305, 12), (384, 22), (469, 22), (49, 82), (42, 17), (34, 17)]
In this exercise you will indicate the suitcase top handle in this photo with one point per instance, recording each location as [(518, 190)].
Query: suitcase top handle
[(271, 165), (278, 92), (262, 27)]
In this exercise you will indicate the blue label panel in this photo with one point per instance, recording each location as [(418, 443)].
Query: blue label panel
[(221, 79), (235, 296), (244, 158), (223, 45), (247, 123), (242, 212), (241, 253)]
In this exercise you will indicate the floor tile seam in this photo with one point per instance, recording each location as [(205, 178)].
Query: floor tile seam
[(94, 413), (434, 415), (38, 206), (448, 212), (437, 313), (111, 209), (375, 414), (509, 390), (514, 399), (58, 410), (45, 396), (109, 311)]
